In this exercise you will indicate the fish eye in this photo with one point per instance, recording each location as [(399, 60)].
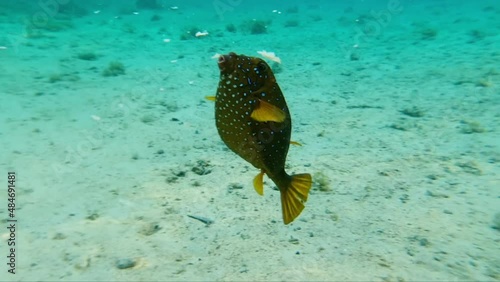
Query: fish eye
[(262, 66)]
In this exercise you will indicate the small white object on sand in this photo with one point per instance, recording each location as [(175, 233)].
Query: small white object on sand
[(270, 55), (166, 40), (201, 33), (96, 118), (3, 48)]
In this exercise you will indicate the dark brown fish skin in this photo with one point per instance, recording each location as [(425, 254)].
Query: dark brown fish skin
[(243, 81)]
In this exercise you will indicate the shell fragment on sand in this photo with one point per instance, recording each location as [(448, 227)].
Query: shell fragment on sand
[(201, 33), (270, 55)]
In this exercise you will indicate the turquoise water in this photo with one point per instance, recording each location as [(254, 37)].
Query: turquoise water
[(114, 149)]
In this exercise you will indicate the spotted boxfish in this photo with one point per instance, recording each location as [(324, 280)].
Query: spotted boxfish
[(253, 120)]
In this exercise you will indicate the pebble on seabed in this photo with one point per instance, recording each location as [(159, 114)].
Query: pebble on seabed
[(125, 263)]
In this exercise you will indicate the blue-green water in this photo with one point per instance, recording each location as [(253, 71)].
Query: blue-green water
[(104, 121)]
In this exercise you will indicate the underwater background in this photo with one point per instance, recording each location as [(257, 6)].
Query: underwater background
[(104, 121)]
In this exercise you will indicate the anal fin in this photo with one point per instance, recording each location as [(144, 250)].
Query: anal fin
[(258, 183)]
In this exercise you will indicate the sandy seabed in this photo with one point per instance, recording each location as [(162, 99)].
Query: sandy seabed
[(398, 117)]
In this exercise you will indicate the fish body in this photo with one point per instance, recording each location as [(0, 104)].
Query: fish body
[(253, 120)]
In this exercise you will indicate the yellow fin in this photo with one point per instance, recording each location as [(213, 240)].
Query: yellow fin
[(258, 183), (267, 112), (295, 143), (294, 196), (210, 98)]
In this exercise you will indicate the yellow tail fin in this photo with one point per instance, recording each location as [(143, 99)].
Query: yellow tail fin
[(294, 196)]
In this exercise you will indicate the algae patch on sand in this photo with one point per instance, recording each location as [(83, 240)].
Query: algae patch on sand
[(114, 68)]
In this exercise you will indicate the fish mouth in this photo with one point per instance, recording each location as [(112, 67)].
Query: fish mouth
[(221, 62), (226, 62)]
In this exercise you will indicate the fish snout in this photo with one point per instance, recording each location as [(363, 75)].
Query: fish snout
[(226, 62), (221, 62)]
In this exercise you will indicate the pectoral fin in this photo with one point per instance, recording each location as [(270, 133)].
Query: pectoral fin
[(267, 112)]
